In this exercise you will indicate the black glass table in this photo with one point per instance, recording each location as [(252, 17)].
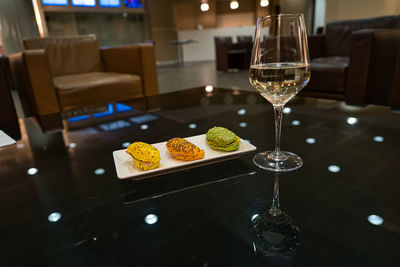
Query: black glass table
[(61, 203)]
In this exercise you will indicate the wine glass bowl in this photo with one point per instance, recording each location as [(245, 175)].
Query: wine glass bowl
[(279, 69)]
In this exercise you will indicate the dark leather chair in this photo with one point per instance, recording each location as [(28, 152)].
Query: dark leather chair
[(230, 55), (354, 60), (57, 75), (8, 116)]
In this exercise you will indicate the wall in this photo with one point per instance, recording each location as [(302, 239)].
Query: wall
[(299, 6), (111, 29), (162, 29), (204, 49), (17, 20), (355, 9)]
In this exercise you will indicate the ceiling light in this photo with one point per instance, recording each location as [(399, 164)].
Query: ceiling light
[(209, 88), (234, 5), (204, 7), (264, 3)]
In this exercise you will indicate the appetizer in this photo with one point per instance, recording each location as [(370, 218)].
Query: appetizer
[(221, 138), (182, 149), (145, 156)]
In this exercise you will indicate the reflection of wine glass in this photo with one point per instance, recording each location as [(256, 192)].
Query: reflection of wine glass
[(273, 232), (279, 69)]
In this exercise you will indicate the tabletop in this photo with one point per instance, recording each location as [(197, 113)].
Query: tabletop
[(63, 205)]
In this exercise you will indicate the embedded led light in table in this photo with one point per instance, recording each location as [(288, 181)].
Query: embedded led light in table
[(72, 145), (99, 171), (241, 111), (287, 110), (144, 127), (54, 217), (192, 126), (243, 124), (151, 219), (310, 140), (352, 120), (375, 219), (125, 144), (296, 123), (334, 168), (32, 171), (378, 139)]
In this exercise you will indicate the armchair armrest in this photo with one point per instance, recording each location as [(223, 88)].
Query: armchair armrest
[(357, 74), (134, 59), (316, 45), (395, 96), (31, 71)]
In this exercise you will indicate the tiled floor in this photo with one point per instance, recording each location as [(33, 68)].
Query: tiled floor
[(174, 77)]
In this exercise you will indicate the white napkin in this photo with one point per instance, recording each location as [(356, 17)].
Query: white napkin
[(5, 140)]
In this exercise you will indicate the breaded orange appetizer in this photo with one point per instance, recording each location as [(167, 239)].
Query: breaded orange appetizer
[(182, 149)]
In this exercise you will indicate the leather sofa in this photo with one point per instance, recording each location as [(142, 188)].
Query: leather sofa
[(354, 60), (232, 55), (8, 116), (56, 75)]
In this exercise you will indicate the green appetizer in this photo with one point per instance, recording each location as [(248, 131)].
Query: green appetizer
[(221, 138)]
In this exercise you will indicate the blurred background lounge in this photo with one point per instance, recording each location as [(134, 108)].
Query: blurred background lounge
[(208, 42)]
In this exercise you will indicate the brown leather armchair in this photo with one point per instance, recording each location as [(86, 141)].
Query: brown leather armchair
[(354, 60), (55, 75)]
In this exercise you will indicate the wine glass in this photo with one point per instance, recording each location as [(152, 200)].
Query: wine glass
[(279, 69), (273, 231)]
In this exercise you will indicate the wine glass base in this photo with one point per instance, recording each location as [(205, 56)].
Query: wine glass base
[(274, 235), (289, 162)]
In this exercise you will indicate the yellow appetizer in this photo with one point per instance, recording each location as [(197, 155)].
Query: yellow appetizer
[(145, 156)]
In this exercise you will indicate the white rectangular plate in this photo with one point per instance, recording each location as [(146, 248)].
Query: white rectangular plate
[(126, 169)]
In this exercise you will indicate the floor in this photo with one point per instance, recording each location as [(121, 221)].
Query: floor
[(175, 77)]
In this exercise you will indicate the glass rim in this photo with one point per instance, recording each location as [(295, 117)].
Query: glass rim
[(289, 15)]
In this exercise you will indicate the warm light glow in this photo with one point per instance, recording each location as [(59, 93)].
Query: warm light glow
[(204, 7), (264, 3), (234, 5), (209, 88)]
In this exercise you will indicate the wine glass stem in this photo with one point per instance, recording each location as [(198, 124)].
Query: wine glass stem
[(278, 155), (275, 208)]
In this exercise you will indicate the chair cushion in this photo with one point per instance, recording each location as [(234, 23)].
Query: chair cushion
[(328, 74), (80, 90), (69, 55)]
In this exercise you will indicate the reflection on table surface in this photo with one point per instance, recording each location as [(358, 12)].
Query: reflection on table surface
[(62, 204)]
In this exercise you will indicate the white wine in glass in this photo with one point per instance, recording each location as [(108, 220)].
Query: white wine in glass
[(279, 69)]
